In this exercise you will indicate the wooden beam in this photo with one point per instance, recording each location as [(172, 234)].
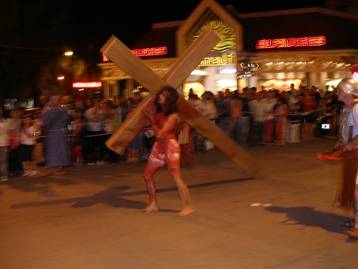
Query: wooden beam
[(128, 130), (115, 50), (209, 130), (118, 53), (123, 57)]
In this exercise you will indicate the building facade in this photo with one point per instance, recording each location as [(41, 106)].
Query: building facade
[(310, 47)]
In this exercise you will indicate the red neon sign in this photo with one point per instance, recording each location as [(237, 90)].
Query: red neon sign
[(92, 84), (145, 52), (156, 51), (307, 41)]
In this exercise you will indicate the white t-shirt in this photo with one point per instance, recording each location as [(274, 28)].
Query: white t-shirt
[(94, 119), (268, 107), (257, 108)]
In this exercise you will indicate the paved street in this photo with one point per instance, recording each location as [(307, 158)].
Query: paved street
[(91, 217)]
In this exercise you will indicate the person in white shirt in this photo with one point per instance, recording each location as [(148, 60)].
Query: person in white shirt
[(257, 109)]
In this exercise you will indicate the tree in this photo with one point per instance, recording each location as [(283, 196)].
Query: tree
[(70, 68)]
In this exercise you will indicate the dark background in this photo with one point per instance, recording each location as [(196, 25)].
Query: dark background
[(36, 32)]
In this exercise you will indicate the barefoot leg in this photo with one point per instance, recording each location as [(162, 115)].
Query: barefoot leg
[(149, 172), (184, 195)]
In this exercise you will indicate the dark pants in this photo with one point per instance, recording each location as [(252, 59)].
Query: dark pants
[(257, 132), (14, 162), (95, 146)]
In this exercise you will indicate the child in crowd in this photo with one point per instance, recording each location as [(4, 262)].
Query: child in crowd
[(27, 143)]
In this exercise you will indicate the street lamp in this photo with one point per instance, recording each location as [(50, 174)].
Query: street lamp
[(68, 53), (60, 77)]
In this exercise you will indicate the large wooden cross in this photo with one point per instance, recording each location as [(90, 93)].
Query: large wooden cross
[(117, 52)]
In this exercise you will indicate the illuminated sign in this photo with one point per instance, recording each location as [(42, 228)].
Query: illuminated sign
[(223, 60), (92, 84), (246, 74), (157, 51), (245, 65), (291, 42), (225, 33), (146, 52)]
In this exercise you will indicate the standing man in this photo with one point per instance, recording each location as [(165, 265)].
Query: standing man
[(347, 195), (57, 147)]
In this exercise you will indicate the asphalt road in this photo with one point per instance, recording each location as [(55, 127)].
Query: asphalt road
[(92, 217)]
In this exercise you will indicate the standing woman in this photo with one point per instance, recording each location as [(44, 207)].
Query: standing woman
[(166, 150)]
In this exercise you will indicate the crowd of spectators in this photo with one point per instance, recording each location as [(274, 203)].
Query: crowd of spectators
[(65, 131)]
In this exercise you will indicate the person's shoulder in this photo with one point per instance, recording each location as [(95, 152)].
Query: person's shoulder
[(173, 116)]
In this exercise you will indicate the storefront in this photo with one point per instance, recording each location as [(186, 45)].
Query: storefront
[(87, 88), (310, 47)]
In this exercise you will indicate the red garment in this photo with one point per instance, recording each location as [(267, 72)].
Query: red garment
[(165, 150), (268, 131), (281, 124)]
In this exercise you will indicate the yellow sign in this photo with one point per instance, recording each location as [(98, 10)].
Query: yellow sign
[(225, 33), (222, 60)]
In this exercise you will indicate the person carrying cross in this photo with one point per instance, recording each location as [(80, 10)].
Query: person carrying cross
[(166, 150)]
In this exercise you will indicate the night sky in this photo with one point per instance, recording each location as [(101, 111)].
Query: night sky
[(35, 31)]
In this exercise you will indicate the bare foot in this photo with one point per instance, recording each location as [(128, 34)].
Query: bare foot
[(151, 208), (186, 211)]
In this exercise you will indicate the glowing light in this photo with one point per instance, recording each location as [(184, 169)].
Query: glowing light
[(307, 41), (280, 75), (226, 83), (68, 53), (281, 85), (225, 59), (197, 72), (92, 84), (145, 52), (246, 74), (156, 51), (330, 85), (245, 65), (228, 71), (197, 87), (60, 77), (81, 90)]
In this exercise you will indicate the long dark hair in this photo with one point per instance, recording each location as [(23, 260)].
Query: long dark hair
[(170, 105)]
